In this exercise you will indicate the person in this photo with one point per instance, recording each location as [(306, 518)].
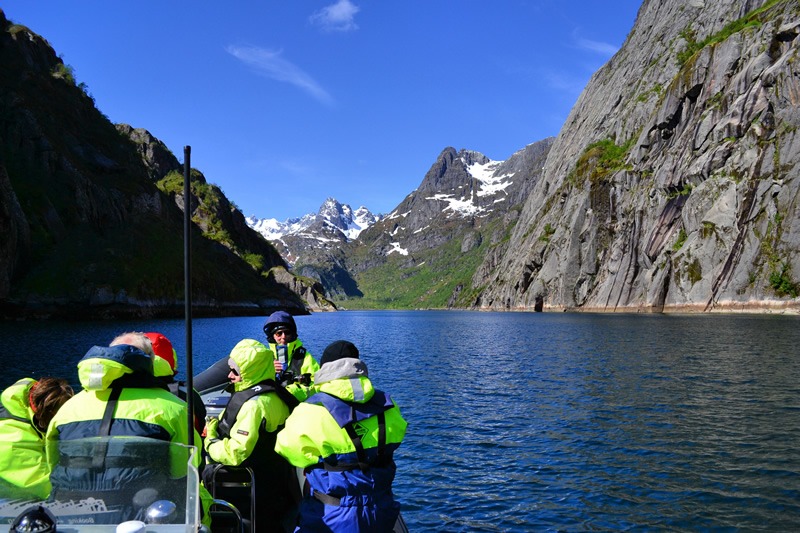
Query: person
[(344, 438), (294, 365), (244, 433), (120, 398), (26, 408), (165, 367)]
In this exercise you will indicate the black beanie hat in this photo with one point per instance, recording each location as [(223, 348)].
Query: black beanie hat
[(339, 350)]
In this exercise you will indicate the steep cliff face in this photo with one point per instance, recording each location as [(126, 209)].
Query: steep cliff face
[(85, 229), (674, 183)]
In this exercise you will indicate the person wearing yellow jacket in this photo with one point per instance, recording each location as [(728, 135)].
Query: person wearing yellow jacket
[(26, 408), (120, 398), (244, 433), (344, 438), (294, 365)]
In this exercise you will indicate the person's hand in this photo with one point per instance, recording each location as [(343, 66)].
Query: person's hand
[(278, 366), (210, 431)]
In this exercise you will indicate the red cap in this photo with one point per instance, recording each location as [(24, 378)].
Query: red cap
[(163, 348)]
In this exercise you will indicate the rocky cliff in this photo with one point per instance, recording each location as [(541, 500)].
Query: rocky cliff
[(91, 221), (673, 184)]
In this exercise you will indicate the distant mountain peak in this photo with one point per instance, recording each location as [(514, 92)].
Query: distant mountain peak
[(332, 214)]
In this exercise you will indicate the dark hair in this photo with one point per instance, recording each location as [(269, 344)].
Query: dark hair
[(46, 397)]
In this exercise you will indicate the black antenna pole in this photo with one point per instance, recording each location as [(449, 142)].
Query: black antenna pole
[(187, 282)]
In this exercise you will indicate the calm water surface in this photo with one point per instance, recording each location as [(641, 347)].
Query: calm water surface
[(546, 422)]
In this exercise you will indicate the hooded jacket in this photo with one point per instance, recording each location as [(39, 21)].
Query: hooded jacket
[(23, 467), (354, 484), (144, 408), (244, 433), (255, 365)]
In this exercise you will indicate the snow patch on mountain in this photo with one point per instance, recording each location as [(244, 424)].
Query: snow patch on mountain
[(273, 230), (457, 205), (397, 248), (485, 174), (490, 184)]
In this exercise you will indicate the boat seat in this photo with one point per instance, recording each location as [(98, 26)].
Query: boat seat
[(228, 519), (235, 486)]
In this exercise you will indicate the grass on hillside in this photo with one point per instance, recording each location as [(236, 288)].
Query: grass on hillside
[(428, 284), (750, 20)]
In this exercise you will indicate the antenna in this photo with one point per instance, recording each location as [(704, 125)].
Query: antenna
[(187, 282)]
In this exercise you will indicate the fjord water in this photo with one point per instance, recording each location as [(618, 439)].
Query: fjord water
[(545, 422)]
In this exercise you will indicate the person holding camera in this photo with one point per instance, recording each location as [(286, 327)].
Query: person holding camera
[(294, 365)]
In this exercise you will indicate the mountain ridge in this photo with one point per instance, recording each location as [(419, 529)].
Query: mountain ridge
[(91, 213), (672, 186), (339, 215)]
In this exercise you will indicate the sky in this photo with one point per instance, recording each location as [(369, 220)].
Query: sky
[(286, 103)]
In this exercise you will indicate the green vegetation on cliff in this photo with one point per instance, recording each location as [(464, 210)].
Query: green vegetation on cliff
[(424, 280)]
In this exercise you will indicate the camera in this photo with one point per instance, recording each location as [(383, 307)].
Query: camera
[(288, 377)]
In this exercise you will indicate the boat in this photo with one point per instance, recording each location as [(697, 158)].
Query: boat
[(212, 385)]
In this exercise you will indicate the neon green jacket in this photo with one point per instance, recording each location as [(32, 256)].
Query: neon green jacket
[(255, 362), (316, 437), (308, 366), (141, 411), (311, 433), (23, 463)]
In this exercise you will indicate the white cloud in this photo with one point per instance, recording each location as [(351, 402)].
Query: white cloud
[(603, 49), (336, 17), (564, 82), (270, 64)]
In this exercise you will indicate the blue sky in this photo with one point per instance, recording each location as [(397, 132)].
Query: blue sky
[(286, 103)]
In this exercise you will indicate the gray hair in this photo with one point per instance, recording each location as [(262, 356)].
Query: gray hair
[(136, 339)]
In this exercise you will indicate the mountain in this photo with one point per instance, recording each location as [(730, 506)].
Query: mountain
[(91, 214), (673, 186), (331, 212), (425, 252), (358, 256), (315, 246), (674, 183)]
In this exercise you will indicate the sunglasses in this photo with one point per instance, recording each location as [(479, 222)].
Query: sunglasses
[(282, 333), (234, 372)]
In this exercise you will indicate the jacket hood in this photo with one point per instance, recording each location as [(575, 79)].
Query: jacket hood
[(255, 362), (162, 368), (279, 318), (15, 398), (162, 348), (346, 379), (102, 365)]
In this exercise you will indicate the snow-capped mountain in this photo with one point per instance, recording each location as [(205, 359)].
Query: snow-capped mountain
[(342, 216), (331, 213), (272, 229)]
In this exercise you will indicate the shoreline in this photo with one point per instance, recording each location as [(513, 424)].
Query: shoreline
[(17, 311)]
